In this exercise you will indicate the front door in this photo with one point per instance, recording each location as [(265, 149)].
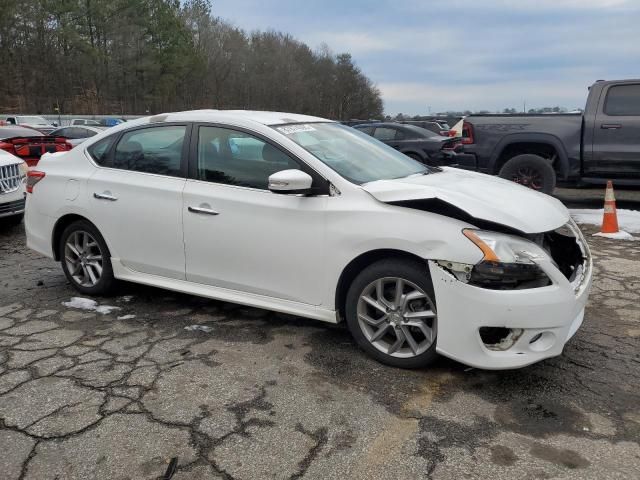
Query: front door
[(136, 201), (616, 134), (239, 235)]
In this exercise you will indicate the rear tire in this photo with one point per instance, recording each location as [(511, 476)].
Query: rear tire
[(85, 259), (531, 171), (396, 329)]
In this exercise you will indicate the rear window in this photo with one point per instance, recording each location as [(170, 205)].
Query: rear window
[(623, 100)]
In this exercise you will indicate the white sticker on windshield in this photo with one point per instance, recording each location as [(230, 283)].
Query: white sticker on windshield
[(289, 129)]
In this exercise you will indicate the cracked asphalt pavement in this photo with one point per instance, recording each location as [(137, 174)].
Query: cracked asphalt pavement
[(260, 395)]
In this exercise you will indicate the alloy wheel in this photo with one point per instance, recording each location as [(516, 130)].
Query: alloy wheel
[(529, 177), (397, 317), (84, 258)]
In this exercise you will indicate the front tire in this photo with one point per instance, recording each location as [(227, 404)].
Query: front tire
[(391, 313), (85, 259), (531, 171)]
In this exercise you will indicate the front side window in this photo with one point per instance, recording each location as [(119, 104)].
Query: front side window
[(236, 158), (151, 150), (352, 154), (623, 100)]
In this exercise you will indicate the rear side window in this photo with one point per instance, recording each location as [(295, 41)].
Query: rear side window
[(151, 150), (623, 100), (367, 130), (99, 151), (383, 133)]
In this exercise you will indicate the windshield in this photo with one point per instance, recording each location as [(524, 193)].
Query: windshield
[(353, 154), (33, 120)]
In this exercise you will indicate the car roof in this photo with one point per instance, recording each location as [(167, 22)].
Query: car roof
[(378, 124), (13, 131), (238, 116), (93, 128)]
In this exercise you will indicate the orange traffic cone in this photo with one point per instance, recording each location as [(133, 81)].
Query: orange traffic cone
[(610, 217)]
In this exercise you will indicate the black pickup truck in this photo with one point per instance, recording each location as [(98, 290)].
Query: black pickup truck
[(537, 150)]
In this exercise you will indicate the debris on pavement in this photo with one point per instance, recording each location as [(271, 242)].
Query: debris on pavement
[(89, 304), (171, 469), (195, 328)]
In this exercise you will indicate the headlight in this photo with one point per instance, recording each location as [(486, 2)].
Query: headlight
[(24, 168), (508, 262)]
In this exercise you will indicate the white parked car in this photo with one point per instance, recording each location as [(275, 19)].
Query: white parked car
[(13, 174), (302, 215), (31, 121)]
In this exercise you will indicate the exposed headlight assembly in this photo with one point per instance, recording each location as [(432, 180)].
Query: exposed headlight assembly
[(508, 263), (24, 168)]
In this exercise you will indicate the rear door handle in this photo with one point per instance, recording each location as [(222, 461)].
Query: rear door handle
[(105, 196), (610, 126), (203, 210)]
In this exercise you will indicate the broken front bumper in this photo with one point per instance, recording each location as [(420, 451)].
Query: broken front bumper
[(548, 317)]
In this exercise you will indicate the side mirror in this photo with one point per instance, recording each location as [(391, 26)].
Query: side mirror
[(290, 181)]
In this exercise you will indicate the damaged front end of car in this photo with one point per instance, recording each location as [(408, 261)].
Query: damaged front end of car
[(512, 263)]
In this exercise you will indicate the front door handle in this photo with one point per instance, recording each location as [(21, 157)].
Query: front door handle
[(610, 126), (203, 210), (105, 196)]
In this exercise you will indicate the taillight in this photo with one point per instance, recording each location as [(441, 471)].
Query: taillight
[(33, 177), (455, 145), (467, 133), (7, 147)]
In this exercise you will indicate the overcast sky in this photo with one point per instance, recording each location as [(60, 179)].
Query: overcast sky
[(464, 54)]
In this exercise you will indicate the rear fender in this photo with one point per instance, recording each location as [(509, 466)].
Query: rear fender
[(542, 138)]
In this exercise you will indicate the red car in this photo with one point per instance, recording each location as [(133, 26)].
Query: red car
[(29, 144)]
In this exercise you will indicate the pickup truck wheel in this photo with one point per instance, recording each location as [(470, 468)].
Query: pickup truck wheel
[(530, 171)]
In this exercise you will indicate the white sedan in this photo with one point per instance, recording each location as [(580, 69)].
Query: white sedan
[(303, 215)]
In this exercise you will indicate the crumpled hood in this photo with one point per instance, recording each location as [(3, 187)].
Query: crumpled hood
[(481, 196)]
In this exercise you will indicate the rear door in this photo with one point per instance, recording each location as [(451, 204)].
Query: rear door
[(136, 196), (616, 133)]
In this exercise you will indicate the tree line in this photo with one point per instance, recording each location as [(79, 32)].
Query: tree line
[(150, 56)]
